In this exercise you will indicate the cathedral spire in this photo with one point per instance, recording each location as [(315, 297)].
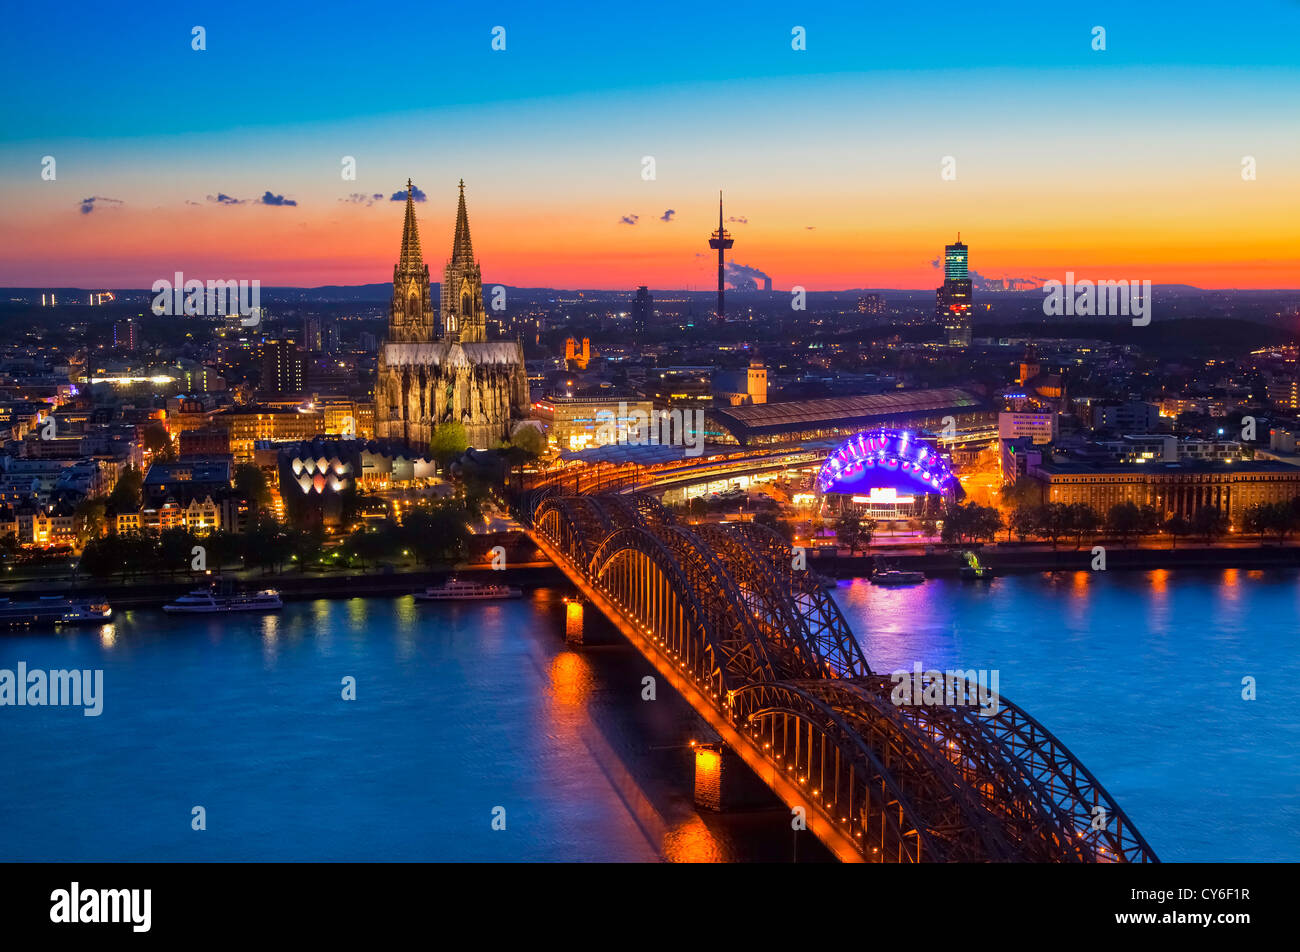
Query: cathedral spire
[(411, 260), (462, 251)]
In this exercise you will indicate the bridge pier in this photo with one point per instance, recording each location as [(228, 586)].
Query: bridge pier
[(724, 782), (573, 618)]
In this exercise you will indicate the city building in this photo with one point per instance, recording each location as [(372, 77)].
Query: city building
[(249, 424), (126, 335), (953, 297), (461, 377), (739, 387), (642, 309), (1127, 416), (319, 479), (576, 357), (284, 367), (871, 304), (800, 420), (1171, 488), (577, 423), (1039, 427)]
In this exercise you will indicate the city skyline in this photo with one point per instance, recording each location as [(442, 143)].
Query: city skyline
[(1065, 157)]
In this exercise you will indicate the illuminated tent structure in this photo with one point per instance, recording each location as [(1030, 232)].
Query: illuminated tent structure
[(886, 466)]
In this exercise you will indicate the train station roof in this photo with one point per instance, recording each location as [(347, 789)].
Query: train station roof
[(778, 419)]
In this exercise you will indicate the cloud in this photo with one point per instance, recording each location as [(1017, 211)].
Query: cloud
[(629, 219), (360, 198), (668, 215), (279, 200), (221, 198), (88, 204), (736, 220), (416, 194)]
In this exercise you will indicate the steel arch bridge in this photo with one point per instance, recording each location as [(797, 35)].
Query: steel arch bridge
[(763, 653)]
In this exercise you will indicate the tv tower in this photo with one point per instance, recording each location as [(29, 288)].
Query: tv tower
[(722, 240)]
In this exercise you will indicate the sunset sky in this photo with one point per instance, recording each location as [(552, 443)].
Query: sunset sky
[(1122, 164)]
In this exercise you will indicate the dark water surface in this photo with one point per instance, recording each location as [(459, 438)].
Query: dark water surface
[(462, 708)]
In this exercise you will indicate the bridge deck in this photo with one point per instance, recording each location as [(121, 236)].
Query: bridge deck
[(789, 793)]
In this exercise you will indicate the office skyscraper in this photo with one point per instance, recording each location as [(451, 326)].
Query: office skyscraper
[(642, 308), (953, 297)]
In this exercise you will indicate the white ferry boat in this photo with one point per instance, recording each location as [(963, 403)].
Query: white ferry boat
[(54, 610), (896, 577), (206, 601), (459, 590)]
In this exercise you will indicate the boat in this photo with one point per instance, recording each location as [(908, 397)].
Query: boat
[(54, 610), (460, 590), (210, 601), (896, 577), (974, 570)]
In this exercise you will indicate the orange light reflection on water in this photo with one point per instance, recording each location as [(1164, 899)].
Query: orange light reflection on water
[(691, 841)]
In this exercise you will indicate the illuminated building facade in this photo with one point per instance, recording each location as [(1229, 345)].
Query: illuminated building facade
[(461, 377), (1171, 488), (578, 423), (953, 297)]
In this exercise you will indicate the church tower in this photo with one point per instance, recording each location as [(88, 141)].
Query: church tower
[(410, 315), (463, 316)]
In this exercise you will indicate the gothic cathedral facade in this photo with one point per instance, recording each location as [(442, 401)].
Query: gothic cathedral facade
[(430, 375)]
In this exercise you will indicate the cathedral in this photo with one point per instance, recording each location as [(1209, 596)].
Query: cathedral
[(449, 372)]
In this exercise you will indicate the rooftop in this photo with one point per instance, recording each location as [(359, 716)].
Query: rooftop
[(773, 418)]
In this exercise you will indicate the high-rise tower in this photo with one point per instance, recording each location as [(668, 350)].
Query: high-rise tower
[(641, 309), (952, 307), (721, 240)]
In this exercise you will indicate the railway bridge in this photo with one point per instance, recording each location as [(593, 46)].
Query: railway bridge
[(763, 654)]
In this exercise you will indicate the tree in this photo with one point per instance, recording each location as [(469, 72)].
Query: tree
[(89, 519), (1083, 520), (158, 442), (1255, 519), (449, 443), (1054, 521), (985, 522), (175, 550), (1210, 523), (1124, 519), (1024, 521), (306, 546), (776, 524), (530, 440), (1177, 526), (848, 531), (251, 485), (125, 496)]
